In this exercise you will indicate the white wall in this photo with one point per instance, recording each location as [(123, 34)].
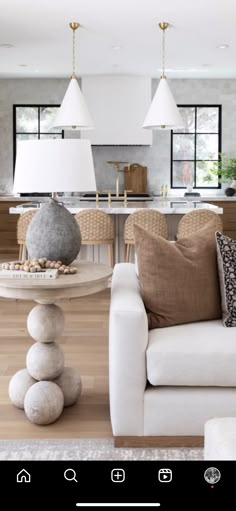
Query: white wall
[(156, 157)]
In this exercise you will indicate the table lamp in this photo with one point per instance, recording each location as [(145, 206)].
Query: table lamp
[(51, 166)]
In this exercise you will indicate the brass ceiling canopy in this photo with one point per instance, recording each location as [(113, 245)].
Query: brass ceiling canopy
[(164, 25), (74, 25)]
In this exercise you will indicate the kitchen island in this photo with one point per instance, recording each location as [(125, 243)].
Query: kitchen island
[(173, 209)]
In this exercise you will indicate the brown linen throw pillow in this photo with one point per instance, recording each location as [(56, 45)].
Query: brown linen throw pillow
[(179, 280)]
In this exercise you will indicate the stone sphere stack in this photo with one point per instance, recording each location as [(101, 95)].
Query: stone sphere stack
[(45, 386)]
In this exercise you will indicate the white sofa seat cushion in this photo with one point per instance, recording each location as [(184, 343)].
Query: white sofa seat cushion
[(198, 354)]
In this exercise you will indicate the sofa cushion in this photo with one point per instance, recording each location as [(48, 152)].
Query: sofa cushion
[(226, 258), (198, 354), (179, 281)]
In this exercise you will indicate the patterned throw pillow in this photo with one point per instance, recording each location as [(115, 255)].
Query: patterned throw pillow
[(226, 258)]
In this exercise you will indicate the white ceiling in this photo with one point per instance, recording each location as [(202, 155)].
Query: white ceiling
[(42, 39)]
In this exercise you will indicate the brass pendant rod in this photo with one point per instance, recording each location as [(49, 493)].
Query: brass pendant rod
[(163, 26), (74, 25)]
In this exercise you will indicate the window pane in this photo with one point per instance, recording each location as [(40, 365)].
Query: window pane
[(188, 116), (207, 120), (202, 171), (183, 172), (183, 147), (47, 117), (197, 145), (26, 137), (50, 135), (207, 147), (27, 119)]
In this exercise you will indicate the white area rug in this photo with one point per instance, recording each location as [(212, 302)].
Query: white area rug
[(92, 449)]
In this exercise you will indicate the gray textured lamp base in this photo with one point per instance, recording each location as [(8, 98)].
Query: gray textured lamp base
[(54, 234)]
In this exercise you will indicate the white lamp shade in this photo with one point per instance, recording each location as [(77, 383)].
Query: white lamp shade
[(163, 112), (54, 165), (73, 112)]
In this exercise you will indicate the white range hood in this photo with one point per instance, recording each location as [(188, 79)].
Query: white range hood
[(118, 106)]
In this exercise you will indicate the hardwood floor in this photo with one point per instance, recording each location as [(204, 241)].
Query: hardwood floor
[(85, 344)]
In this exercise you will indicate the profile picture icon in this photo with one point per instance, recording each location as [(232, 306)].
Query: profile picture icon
[(212, 475)]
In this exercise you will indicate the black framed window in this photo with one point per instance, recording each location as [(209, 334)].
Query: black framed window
[(196, 147), (34, 122)]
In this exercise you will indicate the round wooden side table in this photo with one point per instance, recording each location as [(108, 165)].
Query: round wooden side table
[(45, 386)]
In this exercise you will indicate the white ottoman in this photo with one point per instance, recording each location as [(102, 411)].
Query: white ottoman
[(220, 439)]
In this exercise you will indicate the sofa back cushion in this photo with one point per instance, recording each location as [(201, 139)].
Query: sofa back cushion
[(179, 280)]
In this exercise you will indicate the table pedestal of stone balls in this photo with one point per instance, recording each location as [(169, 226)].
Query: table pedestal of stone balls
[(46, 386)]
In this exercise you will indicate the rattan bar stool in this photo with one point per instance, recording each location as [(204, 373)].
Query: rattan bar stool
[(195, 220), (149, 219), (21, 229), (97, 228)]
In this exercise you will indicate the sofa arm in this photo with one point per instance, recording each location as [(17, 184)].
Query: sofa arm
[(128, 339)]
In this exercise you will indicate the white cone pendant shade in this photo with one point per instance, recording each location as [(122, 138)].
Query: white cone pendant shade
[(163, 112), (73, 112)]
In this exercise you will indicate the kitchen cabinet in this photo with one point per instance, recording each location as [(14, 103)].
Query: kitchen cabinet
[(228, 217), (8, 239)]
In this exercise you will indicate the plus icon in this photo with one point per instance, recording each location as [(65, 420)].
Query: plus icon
[(117, 475)]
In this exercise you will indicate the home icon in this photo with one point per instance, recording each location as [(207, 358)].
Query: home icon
[(23, 476)]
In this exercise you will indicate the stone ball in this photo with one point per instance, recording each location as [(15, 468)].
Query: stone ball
[(45, 322), (45, 361), (71, 385), (18, 386), (43, 402), (53, 233)]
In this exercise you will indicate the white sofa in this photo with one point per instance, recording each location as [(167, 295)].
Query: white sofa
[(165, 383)]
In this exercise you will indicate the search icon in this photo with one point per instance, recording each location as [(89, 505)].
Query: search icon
[(70, 475)]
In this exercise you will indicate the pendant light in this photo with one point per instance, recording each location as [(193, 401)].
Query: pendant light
[(163, 112), (73, 113)]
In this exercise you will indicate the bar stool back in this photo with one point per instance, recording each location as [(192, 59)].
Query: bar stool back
[(195, 220), (97, 228), (149, 219), (21, 229)]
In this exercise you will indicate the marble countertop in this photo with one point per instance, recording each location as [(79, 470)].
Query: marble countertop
[(165, 206), (203, 198)]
